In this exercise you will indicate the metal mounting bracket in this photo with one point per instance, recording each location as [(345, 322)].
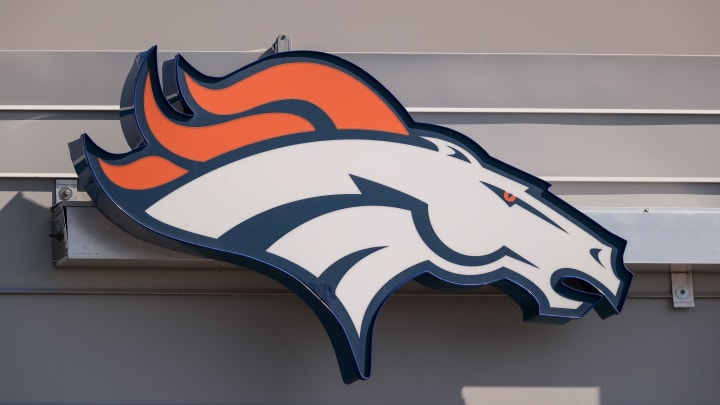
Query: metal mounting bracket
[(682, 285), (282, 44), (65, 190)]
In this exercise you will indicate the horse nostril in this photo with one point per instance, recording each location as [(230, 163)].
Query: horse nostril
[(581, 286), (595, 253)]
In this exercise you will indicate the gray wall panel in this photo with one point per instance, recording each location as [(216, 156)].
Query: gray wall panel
[(638, 194), (545, 145), (518, 26), (40, 145), (547, 81), (271, 350), (418, 80), (595, 145), (88, 78)]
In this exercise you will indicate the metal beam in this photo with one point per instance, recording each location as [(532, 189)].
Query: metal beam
[(83, 237)]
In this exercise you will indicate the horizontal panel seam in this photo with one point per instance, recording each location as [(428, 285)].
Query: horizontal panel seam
[(424, 110), (551, 179), (226, 293)]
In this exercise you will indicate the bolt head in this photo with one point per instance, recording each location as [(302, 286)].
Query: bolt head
[(65, 193), (682, 292)]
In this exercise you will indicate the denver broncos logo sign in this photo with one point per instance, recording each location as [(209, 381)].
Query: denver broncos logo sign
[(303, 167)]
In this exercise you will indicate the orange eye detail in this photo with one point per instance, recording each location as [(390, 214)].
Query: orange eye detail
[(509, 197)]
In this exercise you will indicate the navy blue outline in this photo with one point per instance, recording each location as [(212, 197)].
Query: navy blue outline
[(246, 244)]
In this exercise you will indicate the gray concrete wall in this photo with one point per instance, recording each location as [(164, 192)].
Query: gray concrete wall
[(96, 335)]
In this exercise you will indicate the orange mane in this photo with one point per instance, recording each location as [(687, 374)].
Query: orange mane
[(348, 102)]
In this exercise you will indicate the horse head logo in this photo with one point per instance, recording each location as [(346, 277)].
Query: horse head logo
[(305, 168)]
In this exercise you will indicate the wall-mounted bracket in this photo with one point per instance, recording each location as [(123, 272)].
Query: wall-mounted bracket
[(65, 190), (682, 285), (282, 44), (83, 237)]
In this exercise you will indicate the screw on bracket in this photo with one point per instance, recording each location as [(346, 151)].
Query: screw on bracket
[(682, 292), (65, 190), (65, 193)]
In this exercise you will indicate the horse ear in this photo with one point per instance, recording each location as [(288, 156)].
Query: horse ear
[(349, 102)]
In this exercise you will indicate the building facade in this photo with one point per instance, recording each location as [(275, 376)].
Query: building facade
[(616, 105)]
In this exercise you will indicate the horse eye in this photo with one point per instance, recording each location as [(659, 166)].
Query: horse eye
[(509, 198)]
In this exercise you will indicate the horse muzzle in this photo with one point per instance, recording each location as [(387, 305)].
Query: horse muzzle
[(580, 286)]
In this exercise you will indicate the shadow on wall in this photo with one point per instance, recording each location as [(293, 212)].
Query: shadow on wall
[(24, 229)]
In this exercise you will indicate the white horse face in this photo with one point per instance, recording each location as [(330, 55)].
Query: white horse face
[(570, 259)]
